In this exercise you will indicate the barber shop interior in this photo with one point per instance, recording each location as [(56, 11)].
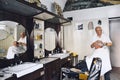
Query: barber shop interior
[(59, 39)]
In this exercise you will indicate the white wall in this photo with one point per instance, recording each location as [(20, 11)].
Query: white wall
[(48, 3), (78, 40), (92, 13)]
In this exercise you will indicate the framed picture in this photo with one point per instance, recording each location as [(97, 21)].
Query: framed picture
[(80, 27)]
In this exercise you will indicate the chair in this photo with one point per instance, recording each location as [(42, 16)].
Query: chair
[(94, 73), (95, 70)]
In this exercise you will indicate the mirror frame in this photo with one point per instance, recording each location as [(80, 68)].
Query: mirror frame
[(27, 22), (57, 28)]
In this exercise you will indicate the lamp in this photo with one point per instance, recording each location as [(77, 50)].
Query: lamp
[(90, 25), (4, 31)]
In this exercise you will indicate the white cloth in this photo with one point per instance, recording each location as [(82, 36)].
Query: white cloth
[(23, 40), (14, 50), (102, 53)]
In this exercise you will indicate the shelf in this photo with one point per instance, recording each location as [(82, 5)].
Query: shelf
[(20, 7), (51, 17), (24, 8)]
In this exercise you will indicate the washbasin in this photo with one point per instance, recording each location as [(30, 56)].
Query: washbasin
[(60, 55), (23, 69), (23, 66)]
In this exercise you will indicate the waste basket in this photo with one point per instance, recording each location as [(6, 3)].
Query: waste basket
[(74, 59)]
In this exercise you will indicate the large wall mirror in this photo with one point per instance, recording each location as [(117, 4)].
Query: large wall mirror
[(12, 39)]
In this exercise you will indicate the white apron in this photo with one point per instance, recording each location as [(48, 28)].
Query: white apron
[(102, 53)]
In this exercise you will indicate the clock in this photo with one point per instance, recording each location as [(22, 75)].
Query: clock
[(3, 34)]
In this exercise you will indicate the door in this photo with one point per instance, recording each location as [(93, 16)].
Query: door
[(115, 37)]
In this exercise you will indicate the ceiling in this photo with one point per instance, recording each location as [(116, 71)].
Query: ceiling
[(84, 4)]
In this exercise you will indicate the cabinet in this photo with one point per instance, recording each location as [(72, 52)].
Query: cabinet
[(51, 67), (38, 38)]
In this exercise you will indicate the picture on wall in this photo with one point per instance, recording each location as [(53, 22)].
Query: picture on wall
[(80, 27)]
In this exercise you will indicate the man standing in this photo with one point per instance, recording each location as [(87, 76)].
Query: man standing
[(100, 44), (22, 41)]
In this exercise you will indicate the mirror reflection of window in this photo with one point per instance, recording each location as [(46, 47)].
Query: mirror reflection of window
[(14, 31)]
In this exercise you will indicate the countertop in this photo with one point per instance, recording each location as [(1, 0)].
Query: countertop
[(20, 70), (47, 60)]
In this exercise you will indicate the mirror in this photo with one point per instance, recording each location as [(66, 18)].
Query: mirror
[(50, 39), (10, 32)]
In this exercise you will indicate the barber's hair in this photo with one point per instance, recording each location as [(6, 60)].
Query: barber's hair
[(98, 27)]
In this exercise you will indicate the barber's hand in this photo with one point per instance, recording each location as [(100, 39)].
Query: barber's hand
[(107, 44), (100, 43), (20, 43), (23, 44)]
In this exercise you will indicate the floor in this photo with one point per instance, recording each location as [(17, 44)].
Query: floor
[(115, 74)]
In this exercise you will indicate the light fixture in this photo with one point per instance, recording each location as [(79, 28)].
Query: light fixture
[(90, 25), (4, 32)]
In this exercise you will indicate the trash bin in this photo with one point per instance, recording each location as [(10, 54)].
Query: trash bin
[(74, 59)]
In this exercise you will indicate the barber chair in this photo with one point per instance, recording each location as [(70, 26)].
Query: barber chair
[(93, 73)]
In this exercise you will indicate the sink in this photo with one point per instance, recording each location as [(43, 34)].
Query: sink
[(60, 55), (23, 69), (47, 60)]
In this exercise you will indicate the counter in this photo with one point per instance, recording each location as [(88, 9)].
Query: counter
[(53, 64), (60, 55), (19, 71), (50, 67), (47, 60)]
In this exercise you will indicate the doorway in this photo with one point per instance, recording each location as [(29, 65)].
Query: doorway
[(115, 37)]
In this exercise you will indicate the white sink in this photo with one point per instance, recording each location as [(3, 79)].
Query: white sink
[(60, 55), (24, 68), (47, 60)]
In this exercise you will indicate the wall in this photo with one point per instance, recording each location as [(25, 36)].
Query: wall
[(92, 13), (78, 40)]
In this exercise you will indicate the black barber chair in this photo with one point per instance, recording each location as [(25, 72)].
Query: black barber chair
[(93, 74)]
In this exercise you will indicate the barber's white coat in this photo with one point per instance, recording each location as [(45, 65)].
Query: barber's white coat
[(102, 53)]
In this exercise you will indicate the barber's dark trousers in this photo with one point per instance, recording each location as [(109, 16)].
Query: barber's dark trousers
[(107, 76)]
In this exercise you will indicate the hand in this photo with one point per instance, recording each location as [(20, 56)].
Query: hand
[(97, 44), (108, 44), (100, 43), (105, 44)]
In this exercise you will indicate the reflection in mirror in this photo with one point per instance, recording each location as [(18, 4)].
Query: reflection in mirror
[(50, 39), (12, 39)]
